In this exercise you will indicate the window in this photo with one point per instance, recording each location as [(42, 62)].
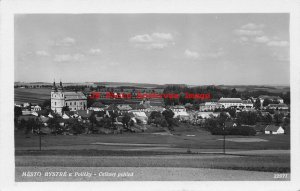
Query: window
[(70, 103), (74, 103), (80, 103), (54, 103), (66, 104)]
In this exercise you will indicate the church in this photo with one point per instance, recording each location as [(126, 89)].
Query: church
[(61, 98)]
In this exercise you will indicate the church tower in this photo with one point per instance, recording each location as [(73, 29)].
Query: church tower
[(57, 98)]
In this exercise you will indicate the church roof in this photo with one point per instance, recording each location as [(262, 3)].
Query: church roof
[(74, 95)]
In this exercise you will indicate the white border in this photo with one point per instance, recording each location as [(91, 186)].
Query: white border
[(9, 8)]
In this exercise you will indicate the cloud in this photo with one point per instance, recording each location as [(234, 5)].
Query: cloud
[(67, 41), (191, 54), (152, 41), (254, 33), (252, 26), (243, 32), (250, 29), (216, 54), (195, 55), (42, 53), (95, 51), (68, 57), (244, 39), (114, 64), (261, 39), (279, 43)]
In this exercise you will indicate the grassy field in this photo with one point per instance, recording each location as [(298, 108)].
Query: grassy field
[(34, 95), (267, 163), (193, 138), (119, 151)]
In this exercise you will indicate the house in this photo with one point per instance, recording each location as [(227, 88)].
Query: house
[(180, 112), (247, 103), (138, 107), (36, 108), (260, 128), (273, 129), (280, 106), (97, 106), (84, 114), (155, 108), (124, 108), (209, 106), (272, 98), (230, 102), (205, 115), (178, 108)]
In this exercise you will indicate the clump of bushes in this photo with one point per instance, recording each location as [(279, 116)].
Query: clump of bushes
[(238, 130)]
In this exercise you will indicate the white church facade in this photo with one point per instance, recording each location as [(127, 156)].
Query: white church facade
[(73, 100)]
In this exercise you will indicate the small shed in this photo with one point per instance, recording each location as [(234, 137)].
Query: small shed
[(273, 129)]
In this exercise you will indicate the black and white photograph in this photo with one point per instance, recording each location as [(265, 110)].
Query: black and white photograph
[(152, 97)]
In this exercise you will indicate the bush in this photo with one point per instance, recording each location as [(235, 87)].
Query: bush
[(239, 130), (243, 130)]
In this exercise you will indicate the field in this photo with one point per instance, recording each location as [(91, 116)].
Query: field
[(34, 95), (182, 138)]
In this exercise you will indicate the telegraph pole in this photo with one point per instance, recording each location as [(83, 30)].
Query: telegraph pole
[(40, 138), (224, 136)]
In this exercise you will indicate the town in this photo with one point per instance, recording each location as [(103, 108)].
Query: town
[(73, 110)]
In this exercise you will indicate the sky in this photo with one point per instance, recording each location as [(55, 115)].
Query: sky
[(194, 49)]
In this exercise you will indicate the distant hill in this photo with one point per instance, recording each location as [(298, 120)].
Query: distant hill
[(268, 88)]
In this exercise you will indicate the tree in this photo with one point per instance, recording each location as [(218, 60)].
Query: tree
[(286, 97), (54, 124), (267, 102), (46, 104), (222, 118), (169, 114), (278, 118), (18, 111), (248, 118), (65, 108), (125, 120), (93, 121), (155, 117), (232, 112), (268, 119), (257, 104), (234, 93)]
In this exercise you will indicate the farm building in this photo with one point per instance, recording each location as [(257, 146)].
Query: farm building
[(273, 129)]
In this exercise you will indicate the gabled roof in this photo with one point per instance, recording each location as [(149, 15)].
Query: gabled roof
[(42, 112), (277, 105), (27, 117), (98, 104), (246, 102), (112, 108), (74, 95), (177, 107), (272, 128), (84, 113), (230, 100), (69, 113), (124, 107), (268, 97), (137, 106)]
